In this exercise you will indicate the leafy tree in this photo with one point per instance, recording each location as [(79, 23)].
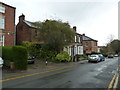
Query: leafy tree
[(115, 45), (56, 34), (104, 49)]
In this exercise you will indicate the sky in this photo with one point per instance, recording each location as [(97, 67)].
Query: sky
[(97, 19)]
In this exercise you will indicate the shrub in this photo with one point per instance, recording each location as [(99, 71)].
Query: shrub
[(63, 56), (16, 54), (88, 54), (20, 57), (104, 54), (7, 55), (51, 55)]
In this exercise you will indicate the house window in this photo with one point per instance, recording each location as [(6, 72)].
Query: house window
[(35, 32), (86, 43), (2, 9), (1, 40), (2, 22)]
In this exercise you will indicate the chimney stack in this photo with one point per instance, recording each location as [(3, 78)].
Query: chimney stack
[(21, 18), (83, 34), (74, 28)]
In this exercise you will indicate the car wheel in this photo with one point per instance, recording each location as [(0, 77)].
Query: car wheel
[(88, 60)]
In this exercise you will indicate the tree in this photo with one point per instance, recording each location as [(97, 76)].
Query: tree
[(56, 34), (115, 45)]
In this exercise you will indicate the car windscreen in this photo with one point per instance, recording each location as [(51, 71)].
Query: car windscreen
[(93, 56)]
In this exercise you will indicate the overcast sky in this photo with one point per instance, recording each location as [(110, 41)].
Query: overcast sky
[(98, 19)]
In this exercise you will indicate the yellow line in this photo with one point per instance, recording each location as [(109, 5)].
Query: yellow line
[(17, 77), (116, 82), (111, 83)]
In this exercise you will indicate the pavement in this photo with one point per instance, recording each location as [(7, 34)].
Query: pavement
[(38, 66)]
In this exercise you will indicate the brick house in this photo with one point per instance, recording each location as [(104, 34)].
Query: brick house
[(89, 44), (25, 31), (7, 25)]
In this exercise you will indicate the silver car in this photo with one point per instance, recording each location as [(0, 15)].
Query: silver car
[(1, 62), (94, 58)]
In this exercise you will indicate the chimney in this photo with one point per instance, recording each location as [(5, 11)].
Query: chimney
[(21, 18), (75, 28), (83, 34)]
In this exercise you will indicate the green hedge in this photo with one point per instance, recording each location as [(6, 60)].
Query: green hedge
[(16, 54), (20, 57), (63, 56), (104, 54)]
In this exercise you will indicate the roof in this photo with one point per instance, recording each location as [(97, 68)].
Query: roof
[(30, 24), (86, 38), (7, 5), (78, 34)]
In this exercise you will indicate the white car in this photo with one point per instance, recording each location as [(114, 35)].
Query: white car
[(116, 55), (1, 62), (95, 58)]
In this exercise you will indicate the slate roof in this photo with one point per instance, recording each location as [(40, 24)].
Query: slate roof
[(30, 24), (88, 38)]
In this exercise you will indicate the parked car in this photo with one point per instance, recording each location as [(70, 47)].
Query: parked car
[(102, 58), (31, 58), (110, 56), (1, 62), (116, 55), (94, 58)]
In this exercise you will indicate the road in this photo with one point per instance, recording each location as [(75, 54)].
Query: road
[(80, 75)]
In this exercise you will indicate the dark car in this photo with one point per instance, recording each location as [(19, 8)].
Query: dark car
[(110, 56), (31, 58), (102, 58)]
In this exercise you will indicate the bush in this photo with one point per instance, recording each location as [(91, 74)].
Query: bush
[(20, 57), (16, 54), (104, 54), (63, 56), (7, 55)]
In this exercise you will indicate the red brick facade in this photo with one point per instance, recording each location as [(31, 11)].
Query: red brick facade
[(25, 31), (90, 46), (8, 31)]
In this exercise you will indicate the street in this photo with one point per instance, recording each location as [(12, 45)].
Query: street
[(80, 75)]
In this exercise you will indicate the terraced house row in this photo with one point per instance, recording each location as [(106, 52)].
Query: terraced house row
[(11, 34)]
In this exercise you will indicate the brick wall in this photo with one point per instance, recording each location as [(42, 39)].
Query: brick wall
[(89, 46), (23, 33), (9, 25)]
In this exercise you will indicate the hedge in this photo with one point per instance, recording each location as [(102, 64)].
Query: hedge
[(16, 54)]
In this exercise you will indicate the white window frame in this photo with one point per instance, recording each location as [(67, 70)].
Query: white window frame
[(2, 22), (2, 9), (2, 39)]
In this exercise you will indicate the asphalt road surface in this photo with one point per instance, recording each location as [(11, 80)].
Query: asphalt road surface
[(81, 75)]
